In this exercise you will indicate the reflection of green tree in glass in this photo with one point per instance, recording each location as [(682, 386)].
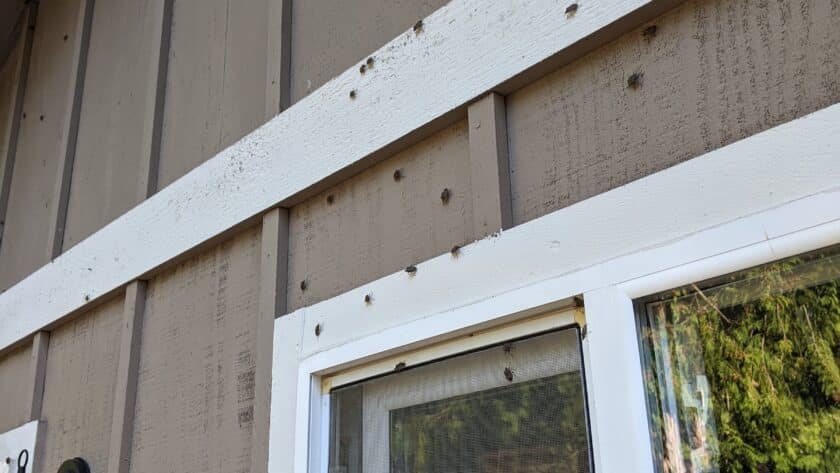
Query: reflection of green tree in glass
[(533, 426), (769, 345)]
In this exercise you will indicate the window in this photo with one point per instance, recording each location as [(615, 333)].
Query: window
[(514, 407), (742, 374)]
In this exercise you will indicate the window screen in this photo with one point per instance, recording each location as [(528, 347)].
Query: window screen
[(516, 407), (743, 373)]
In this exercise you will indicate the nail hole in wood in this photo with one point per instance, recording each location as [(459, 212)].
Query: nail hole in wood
[(418, 27), (571, 9), (330, 199), (649, 32), (352, 94), (362, 69), (411, 270), (318, 330), (455, 251), (369, 62), (368, 298), (304, 285), (398, 175), (399, 366)]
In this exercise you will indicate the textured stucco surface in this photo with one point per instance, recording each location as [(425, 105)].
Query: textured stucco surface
[(715, 72)]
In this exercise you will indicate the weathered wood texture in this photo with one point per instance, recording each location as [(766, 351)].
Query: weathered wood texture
[(14, 388), (373, 224), (274, 251), (79, 389), (279, 59), (715, 72), (37, 373), (195, 388), (489, 165), (10, 96), (328, 36), (125, 389), (114, 150), (215, 87), (42, 141)]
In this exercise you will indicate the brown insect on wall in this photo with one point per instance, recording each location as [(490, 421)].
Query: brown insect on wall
[(375, 224), (714, 72)]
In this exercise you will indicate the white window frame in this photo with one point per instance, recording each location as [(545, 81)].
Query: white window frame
[(770, 196), (24, 437)]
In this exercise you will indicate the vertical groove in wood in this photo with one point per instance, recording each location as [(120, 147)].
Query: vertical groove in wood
[(37, 373), (489, 165), (273, 274), (22, 73), (58, 218), (154, 124), (278, 82), (125, 393)]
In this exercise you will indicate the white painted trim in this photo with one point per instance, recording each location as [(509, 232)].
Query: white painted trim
[(17, 439), (464, 49), (769, 196)]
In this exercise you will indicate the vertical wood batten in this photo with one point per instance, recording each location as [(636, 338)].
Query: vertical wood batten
[(278, 82), (58, 215), (490, 171), (125, 394), (157, 95), (15, 112), (273, 275), (37, 373)]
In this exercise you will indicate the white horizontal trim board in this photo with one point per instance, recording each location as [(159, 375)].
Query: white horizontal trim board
[(464, 49), (772, 195)]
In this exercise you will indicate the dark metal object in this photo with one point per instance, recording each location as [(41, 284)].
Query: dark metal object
[(318, 330), (509, 374), (23, 460)]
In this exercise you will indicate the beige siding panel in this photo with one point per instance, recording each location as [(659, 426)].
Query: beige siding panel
[(111, 164), (215, 89), (79, 387), (376, 225), (330, 36), (15, 388), (715, 72), (195, 387), (27, 242), (9, 74)]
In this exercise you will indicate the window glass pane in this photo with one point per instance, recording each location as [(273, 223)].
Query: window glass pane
[(517, 407), (743, 374)]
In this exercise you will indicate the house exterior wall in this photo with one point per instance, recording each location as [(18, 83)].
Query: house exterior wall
[(80, 378), (168, 84)]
